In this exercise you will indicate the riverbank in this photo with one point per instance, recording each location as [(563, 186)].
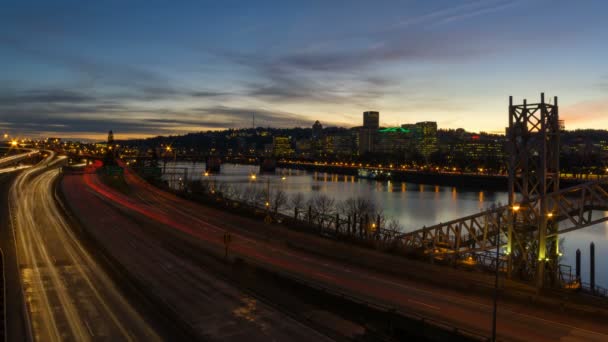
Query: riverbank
[(459, 180)]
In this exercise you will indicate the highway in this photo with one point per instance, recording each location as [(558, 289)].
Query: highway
[(516, 322), (15, 158), (69, 297), (211, 307)]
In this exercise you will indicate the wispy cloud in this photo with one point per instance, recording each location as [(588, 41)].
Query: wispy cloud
[(592, 113)]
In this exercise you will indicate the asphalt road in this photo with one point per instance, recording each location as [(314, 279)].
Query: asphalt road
[(16, 325), (211, 307), (15, 158), (69, 296), (206, 225)]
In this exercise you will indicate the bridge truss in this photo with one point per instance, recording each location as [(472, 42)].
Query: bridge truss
[(528, 228)]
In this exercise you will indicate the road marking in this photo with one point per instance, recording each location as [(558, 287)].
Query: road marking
[(86, 323), (423, 304), (564, 325)]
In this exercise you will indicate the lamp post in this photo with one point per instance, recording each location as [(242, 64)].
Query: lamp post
[(496, 277), (514, 209), (169, 149), (253, 177)]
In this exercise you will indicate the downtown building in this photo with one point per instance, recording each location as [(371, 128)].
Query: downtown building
[(368, 132)]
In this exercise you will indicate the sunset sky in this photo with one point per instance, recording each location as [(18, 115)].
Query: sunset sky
[(145, 68)]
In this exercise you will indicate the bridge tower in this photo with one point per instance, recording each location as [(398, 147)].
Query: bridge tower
[(533, 167)]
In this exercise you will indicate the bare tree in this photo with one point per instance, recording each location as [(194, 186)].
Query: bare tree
[(278, 200), (323, 206), (297, 201), (357, 205), (250, 195), (392, 229), (260, 197)]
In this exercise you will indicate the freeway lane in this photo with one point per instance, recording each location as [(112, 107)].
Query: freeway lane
[(213, 308), (69, 297), (516, 322), (15, 158)]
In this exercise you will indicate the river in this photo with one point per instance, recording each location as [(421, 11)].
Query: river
[(413, 205)]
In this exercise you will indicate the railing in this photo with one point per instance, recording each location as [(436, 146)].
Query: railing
[(596, 290), (573, 206)]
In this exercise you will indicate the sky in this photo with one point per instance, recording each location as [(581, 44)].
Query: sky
[(146, 68)]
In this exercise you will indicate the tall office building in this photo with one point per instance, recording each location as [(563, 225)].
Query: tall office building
[(367, 133), (427, 138), (371, 120)]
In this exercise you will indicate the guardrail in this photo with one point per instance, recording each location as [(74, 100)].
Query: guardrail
[(596, 290)]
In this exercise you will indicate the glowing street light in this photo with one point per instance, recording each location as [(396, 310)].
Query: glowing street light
[(253, 176), (14, 143)]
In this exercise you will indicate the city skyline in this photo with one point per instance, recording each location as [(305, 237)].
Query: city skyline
[(79, 70)]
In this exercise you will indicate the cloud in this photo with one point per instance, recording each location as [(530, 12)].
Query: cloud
[(473, 10), (210, 94), (38, 96), (602, 84), (242, 117), (592, 113), (284, 81)]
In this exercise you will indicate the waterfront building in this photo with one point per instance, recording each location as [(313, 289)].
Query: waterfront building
[(317, 130), (393, 141), (281, 147), (339, 144), (371, 120), (427, 138), (303, 148), (367, 133)]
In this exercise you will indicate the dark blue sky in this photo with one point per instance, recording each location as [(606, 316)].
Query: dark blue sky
[(80, 68)]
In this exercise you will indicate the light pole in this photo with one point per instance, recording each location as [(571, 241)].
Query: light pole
[(496, 277), (169, 149), (515, 208), (267, 204)]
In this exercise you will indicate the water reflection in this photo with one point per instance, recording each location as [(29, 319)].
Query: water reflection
[(413, 205)]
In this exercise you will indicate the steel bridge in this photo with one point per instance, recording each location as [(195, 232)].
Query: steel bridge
[(527, 229)]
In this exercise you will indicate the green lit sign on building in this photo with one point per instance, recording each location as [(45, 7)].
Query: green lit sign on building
[(394, 130)]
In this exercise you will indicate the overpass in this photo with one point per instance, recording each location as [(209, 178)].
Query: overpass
[(509, 227), (528, 228), (16, 158)]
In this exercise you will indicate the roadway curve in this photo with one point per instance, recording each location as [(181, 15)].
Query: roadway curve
[(16, 158), (207, 226), (211, 307), (69, 297)]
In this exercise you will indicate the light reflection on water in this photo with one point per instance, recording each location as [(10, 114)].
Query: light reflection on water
[(413, 205)]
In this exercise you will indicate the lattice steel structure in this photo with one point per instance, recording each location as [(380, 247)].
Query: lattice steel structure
[(528, 227), (533, 147)]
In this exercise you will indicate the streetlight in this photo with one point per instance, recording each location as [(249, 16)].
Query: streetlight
[(496, 277)]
